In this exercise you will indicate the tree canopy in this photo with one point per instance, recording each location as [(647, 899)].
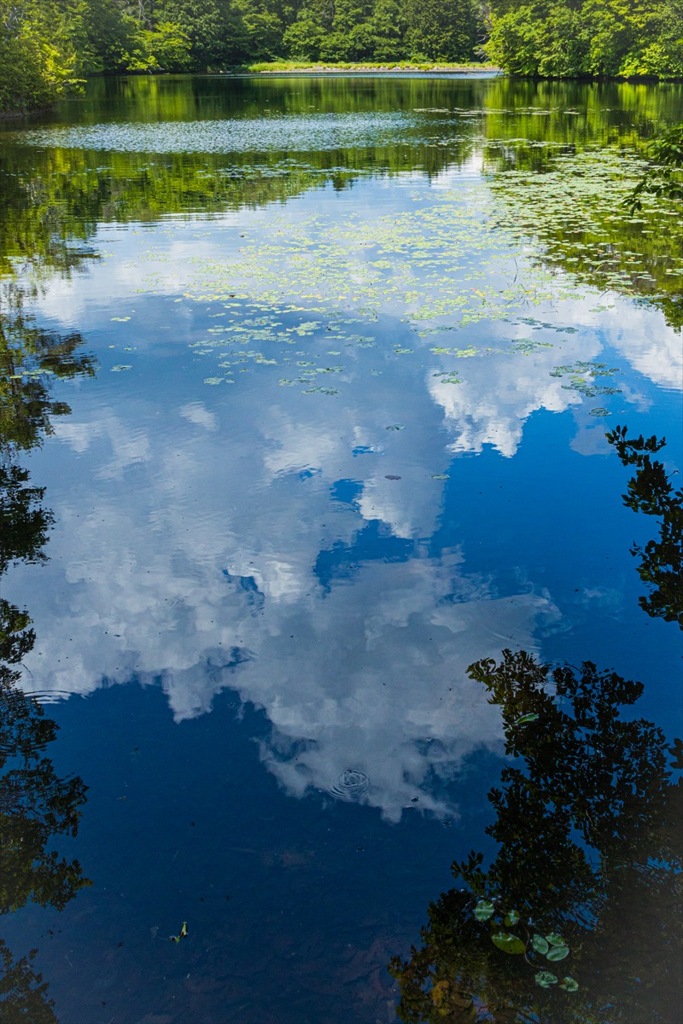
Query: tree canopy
[(587, 38), (49, 46)]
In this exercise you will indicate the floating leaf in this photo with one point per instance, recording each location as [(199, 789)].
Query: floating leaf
[(508, 942), (569, 984), (181, 934), (120, 367), (546, 978), (558, 953), (555, 940), (539, 944), (512, 918), (484, 910)]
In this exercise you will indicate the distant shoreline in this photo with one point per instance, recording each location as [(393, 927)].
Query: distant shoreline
[(386, 67)]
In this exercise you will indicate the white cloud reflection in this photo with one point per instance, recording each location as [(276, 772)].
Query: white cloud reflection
[(199, 528), (187, 558)]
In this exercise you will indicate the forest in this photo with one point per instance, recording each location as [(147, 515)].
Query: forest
[(50, 47)]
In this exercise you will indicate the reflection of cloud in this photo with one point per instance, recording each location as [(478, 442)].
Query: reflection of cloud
[(501, 389), (198, 414), (421, 254), (382, 685), (195, 569), (639, 332), (239, 536)]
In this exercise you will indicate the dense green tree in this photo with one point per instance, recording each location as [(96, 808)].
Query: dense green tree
[(569, 38), (46, 46), (389, 27), (38, 60), (441, 29), (214, 28)]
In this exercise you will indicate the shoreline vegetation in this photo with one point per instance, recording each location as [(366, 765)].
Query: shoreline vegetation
[(50, 48), (276, 67)]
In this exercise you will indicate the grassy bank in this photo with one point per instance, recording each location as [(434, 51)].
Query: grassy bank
[(306, 67)]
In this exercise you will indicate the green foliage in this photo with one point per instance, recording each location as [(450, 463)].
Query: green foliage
[(587, 38), (38, 61), (45, 45), (164, 48), (442, 29), (663, 179)]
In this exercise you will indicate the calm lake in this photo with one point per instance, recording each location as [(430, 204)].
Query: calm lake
[(306, 386)]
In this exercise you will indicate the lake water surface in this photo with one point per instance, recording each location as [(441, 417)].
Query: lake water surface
[(316, 375)]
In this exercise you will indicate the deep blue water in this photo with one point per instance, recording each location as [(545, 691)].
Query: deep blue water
[(327, 462)]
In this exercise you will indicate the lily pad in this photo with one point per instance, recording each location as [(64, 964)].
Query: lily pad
[(508, 942), (484, 910)]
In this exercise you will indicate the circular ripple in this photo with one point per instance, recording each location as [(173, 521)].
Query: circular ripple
[(349, 784)]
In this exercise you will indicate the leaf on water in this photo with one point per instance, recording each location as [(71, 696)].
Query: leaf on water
[(396, 426), (512, 918), (555, 940), (569, 984), (484, 910), (546, 978), (120, 367), (181, 934), (557, 953), (508, 942), (213, 380)]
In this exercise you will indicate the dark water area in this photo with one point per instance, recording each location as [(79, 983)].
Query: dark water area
[(310, 390)]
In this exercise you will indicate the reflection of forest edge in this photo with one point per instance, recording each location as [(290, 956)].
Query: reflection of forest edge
[(55, 198), (36, 805)]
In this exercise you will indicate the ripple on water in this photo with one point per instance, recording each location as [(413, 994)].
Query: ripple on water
[(350, 784)]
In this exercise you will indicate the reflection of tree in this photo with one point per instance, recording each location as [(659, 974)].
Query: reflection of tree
[(568, 180), (590, 857), (23, 993), (650, 491), (29, 356), (36, 805)]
